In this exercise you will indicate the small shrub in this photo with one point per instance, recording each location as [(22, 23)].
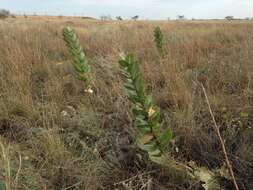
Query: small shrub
[(4, 13), (119, 18)]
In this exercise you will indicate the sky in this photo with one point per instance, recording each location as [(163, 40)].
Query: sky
[(146, 9)]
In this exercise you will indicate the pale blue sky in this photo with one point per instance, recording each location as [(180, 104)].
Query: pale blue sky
[(151, 9)]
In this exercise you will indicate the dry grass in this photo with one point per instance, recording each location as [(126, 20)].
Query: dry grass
[(73, 151)]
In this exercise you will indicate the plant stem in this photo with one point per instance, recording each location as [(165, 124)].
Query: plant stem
[(217, 130)]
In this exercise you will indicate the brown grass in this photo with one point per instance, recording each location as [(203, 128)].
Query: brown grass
[(73, 151)]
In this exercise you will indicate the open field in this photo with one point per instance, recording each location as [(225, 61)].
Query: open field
[(56, 136)]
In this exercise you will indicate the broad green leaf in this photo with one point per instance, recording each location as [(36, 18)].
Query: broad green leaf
[(147, 102), (149, 147), (156, 128), (165, 138), (154, 153), (129, 86), (161, 159), (144, 129)]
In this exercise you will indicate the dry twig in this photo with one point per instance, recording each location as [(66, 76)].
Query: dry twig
[(217, 130)]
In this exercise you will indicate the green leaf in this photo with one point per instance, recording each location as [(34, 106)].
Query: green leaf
[(140, 87), (134, 70), (165, 138), (156, 128), (156, 152), (148, 102), (160, 159), (244, 114), (149, 147), (129, 86), (143, 129), (140, 120)]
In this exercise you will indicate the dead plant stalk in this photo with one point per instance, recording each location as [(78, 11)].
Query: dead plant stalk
[(217, 130)]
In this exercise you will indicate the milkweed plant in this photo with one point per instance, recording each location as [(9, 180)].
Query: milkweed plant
[(80, 61), (151, 137)]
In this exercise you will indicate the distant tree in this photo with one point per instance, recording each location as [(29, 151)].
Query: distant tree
[(229, 18), (168, 18), (247, 18), (119, 18), (4, 13), (181, 17), (106, 17), (135, 17), (103, 17)]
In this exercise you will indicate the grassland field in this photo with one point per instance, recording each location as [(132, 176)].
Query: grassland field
[(56, 136)]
